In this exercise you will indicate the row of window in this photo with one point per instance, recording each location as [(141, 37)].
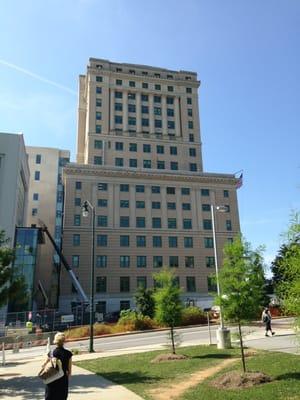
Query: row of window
[(102, 220), (144, 109), (145, 97), (154, 189), (158, 123), (101, 261), (99, 78), (157, 241)]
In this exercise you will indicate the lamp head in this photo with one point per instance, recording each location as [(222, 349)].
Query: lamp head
[(222, 209), (85, 209)]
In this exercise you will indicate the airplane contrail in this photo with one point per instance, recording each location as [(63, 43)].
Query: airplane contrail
[(36, 76)]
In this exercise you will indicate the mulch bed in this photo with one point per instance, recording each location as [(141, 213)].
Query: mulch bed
[(168, 357), (238, 380)]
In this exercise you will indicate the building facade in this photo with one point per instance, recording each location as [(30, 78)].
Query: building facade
[(139, 163), (45, 203)]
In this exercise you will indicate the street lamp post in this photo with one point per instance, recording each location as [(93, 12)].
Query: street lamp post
[(223, 334), (85, 213)]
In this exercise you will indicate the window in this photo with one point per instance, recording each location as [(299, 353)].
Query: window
[(34, 212), (119, 162), (189, 262), (189, 100), (193, 167), (157, 110), (100, 284), (98, 115), (124, 203), (132, 71), (146, 148), (98, 102), (118, 106), (140, 204), (141, 282), (187, 224), (170, 100), (188, 242), (156, 205), (191, 137), (124, 241), (157, 99), (211, 284), (145, 110), (118, 119), (205, 207), (156, 223), (145, 85), (227, 207), (140, 222), (208, 242), (37, 175), (78, 185), (124, 222), (98, 129), (192, 152), (157, 261), (190, 124), (98, 90), (119, 146), (141, 241), (38, 159), (188, 90), (77, 219), (101, 261), (173, 150), (99, 79), (207, 224), (102, 240), (131, 121), (131, 96), (174, 165), (204, 192), (118, 95), (124, 287), (119, 82), (147, 163), (156, 241), (228, 225), (97, 160), (132, 147), (98, 144), (160, 149), (131, 108), (124, 261), (170, 190), (157, 87), (171, 124), (226, 193), (186, 206), (173, 241), (124, 305), (157, 75), (210, 261), (145, 122), (35, 196), (160, 165), (76, 239), (170, 89), (124, 188), (155, 189), (230, 240), (173, 261), (145, 97), (75, 261), (172, 223), (190, 284), (158, 123), (140, 188), (102, 203), (170, 112), (132, 163), (102, 220), (131, 83), (141, 261), (171, 206)]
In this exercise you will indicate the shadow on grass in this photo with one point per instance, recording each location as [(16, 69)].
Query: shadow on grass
[(219, 356), (289, 375), (123, 378)]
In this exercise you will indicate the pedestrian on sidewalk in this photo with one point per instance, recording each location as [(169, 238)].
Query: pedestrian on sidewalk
[(58, 390), (266, 319)]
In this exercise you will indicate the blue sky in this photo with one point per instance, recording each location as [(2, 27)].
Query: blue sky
[(246, 54)]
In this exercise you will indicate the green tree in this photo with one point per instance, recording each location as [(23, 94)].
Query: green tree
[(12, 288), (242, 285), (168, 305), (145, 302)]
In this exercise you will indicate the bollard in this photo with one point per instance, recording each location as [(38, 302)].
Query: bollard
[(3, 354)]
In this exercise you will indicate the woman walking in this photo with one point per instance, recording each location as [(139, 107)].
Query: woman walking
[(266, 319), (58, 390)]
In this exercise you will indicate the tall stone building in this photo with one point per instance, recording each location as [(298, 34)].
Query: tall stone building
[(45, 202), (139, 163)]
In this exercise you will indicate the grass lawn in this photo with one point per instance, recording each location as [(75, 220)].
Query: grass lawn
[(137, 373)]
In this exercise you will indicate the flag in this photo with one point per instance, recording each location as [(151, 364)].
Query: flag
[(239, 182)]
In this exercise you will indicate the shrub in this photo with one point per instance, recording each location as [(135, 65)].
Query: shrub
[(193, 315), (133, 321)]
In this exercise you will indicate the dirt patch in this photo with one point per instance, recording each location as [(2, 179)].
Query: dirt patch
[(168, 357), (176, 390), (237, 380)]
